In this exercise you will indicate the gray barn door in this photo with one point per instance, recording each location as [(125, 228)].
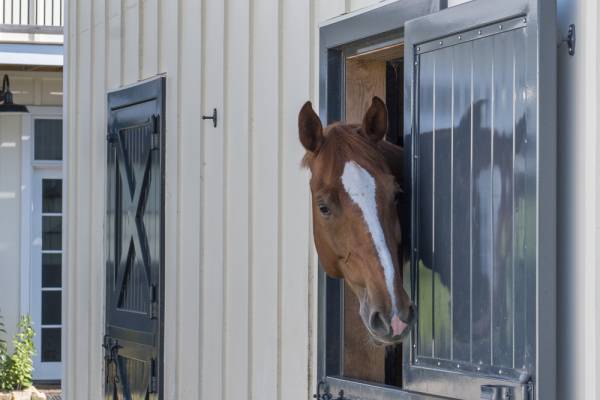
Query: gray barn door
[(134, 242), (480, 126)]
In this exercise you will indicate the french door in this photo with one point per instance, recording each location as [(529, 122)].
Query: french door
[(46, 271)]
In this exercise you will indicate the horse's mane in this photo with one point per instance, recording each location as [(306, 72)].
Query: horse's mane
[(342, 143)]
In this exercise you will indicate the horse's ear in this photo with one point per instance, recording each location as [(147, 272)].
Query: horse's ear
[(375, 122), (310, 128)]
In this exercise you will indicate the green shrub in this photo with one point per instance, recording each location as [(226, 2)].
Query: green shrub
[(16, 369)]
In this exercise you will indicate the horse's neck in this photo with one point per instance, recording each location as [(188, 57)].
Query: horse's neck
[(394, 156)]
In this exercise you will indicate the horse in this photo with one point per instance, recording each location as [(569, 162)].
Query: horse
[(357, 186)]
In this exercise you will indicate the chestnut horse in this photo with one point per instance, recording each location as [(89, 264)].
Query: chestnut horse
[(356, 179)]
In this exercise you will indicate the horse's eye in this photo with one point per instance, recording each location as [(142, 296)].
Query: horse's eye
[(324, 209)]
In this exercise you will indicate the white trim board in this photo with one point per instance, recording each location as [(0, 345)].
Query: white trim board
[(32, 54)]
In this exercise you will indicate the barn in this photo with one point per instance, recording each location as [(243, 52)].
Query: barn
[(190, 270)]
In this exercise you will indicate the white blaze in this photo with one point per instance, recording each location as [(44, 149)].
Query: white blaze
[(361, 188)]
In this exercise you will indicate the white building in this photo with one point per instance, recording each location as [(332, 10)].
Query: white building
[(219, 296), (31, 154)]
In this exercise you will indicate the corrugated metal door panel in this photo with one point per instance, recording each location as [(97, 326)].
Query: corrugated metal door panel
[(485, 181), (473, 131), (134, 242)]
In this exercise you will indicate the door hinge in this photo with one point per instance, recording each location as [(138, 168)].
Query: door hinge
[(112, 137), (155, 131), (155, 124), (153, 377), (153, 303), (323, 392), (154, 310)]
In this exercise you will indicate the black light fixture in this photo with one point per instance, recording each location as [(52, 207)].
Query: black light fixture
[(6, 99)]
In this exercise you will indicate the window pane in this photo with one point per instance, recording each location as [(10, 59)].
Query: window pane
[(48, 139), (51, 270), (51, 344), (52, 195), (51, 307), (51, 233)]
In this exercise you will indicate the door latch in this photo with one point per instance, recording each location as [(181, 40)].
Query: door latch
[(323, 392), (570, 40), (111, 353), (213, 117)]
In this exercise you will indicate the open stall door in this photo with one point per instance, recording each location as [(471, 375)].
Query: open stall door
[(480, 111), (134, 242)]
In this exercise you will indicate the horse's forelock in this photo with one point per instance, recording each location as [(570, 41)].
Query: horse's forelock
[(344, 143)]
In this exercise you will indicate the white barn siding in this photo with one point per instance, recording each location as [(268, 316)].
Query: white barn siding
[(240, 268), (578, 297)]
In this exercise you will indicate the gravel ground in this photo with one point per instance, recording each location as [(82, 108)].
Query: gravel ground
[(53, 394)]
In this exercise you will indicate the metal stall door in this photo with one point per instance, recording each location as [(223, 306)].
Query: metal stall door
[(134, 242), (480, 125)]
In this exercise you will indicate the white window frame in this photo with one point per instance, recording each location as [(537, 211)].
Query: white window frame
[(42, 370), (29, 166)]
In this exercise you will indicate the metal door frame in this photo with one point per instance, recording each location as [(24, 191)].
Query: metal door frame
[(542, 20), (377, 26), (373, 22)]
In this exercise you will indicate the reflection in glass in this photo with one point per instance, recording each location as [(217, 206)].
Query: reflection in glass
[(51, 307), (51, 345), (51, 233), (48, 139), (51, 270), (51, 195)]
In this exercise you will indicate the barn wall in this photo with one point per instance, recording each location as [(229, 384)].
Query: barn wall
[(240, 267), (240, 264)]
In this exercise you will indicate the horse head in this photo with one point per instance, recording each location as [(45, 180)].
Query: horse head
[(356, 225)]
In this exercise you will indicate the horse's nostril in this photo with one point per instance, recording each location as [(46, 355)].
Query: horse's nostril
[(378, 324)]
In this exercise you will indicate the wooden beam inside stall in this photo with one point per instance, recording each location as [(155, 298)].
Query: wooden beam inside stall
[(365, 78)]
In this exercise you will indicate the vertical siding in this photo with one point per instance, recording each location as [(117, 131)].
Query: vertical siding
[(97, 160), (169, 49), (578, 218), (148, 38), (294, 201), (190, 187), (236, 122), (243, 308), (81, 179), (240, 268), (265, 211), (213, 216)]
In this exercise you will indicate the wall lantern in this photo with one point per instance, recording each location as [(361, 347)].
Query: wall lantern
[(6, 99)]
